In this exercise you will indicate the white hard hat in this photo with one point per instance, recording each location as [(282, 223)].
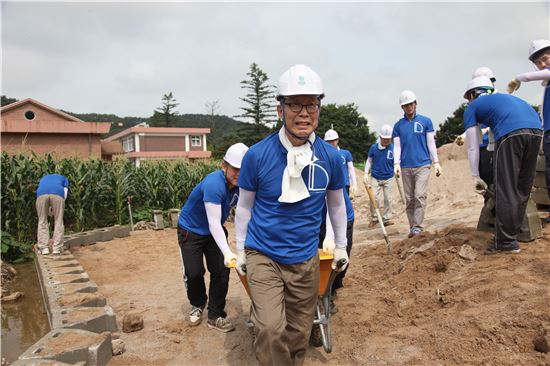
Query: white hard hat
[(406, 97), (538, 46), (331, 135), (479, 82), (386, 131), (300, 80), (235, 153), (484, 71)]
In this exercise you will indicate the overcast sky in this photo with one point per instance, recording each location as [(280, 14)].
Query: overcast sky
[(121, 58)]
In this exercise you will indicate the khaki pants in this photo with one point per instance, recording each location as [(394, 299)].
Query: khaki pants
[(43, 204), (283, 307), (415, 185), (382, 187)]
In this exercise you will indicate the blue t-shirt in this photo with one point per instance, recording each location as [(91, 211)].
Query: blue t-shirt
[(382, 162), (52, 184), (346, 157), (349, 207), (504, 113), (213, 189), (288, 233), (414, 143), (546, 107)]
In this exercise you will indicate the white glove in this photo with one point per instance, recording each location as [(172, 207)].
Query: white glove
[(479, 185), (328, 245), (340, 253), (241, 262), (397, 170), (229, 259), (438, 169), (352, 190), (513, 85), (459, 140)]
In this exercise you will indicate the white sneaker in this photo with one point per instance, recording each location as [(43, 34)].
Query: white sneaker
[(45, 251), (195, 316)]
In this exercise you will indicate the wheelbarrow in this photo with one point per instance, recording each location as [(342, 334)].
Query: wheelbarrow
[(322, 308)]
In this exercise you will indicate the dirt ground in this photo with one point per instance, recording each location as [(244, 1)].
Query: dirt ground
[(423, 305)]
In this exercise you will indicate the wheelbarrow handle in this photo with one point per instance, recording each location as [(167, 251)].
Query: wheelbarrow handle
[(341, 263)]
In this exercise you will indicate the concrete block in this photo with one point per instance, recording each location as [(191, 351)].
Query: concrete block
[(104, 234), (71, 346), (540, 163), (531, 228), (81, 299), (44, 362), (71, 288), (56, 279), (540, 180), (540, 196), (72, 241), (92, 319), (65, 270), (87, 237), (174, 217), (158, 219), (121, 231)]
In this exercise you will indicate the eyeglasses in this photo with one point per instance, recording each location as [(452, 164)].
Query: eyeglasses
[(297, 107)]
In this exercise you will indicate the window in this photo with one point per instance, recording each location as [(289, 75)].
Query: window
[(196, 141), (128, 144), (29, 115)]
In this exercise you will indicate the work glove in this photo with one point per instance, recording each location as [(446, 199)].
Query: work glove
[(438, 169), (340, 253), (397, 170), (229, 259), (366, 180), (352, 191), (459, 140), (328, 245), (241, 262), (513, 85), (479, 185)]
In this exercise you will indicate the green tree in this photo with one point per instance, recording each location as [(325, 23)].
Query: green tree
[(165, 114), (451, 128), (352, 128), (7, 100), (259, 98)]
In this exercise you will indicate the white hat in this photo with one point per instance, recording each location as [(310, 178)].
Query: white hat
[(479, 82), (406, 97), (386, 131), (484, 71), (331, 135), (300, 80), (537, 46), (234, 155)]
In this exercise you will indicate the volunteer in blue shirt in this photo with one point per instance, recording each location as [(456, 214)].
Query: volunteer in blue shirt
[(379, 166), (518, 135), (414, 142), (201, 234), (331, 136), (50, 195), (539, 54), (284, 182)]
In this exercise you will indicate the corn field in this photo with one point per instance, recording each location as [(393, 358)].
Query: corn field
[(98, 190)]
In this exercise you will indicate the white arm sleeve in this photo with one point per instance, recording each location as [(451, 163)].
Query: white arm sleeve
[(329, 229), (243, 214), (214, 216), (396, 151), (65, 191), (336, 207), (430, 136), (534, 75), (472, 139), (368, 164), (351, 171)]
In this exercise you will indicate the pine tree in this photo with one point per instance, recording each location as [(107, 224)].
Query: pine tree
[(259, 99), (166, 113), (451, 128)]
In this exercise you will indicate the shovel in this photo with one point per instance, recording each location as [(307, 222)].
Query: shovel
[(400, 189), (380, 221)]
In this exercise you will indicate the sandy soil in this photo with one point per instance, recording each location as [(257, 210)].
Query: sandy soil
[(423, 307)]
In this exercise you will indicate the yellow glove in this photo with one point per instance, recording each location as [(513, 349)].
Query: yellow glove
[(513, 85), (438, 169)]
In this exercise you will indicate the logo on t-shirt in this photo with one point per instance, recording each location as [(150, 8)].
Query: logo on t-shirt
[(418, 128), (317, 177), (389, 155), (234, 200)]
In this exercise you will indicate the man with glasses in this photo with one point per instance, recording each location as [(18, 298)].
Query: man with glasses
[(414, 142), (284, 181)]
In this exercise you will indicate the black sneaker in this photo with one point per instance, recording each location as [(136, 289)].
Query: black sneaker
[(493, 250)]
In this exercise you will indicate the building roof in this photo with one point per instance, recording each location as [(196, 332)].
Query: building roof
[(65, 124), (158, 131)]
